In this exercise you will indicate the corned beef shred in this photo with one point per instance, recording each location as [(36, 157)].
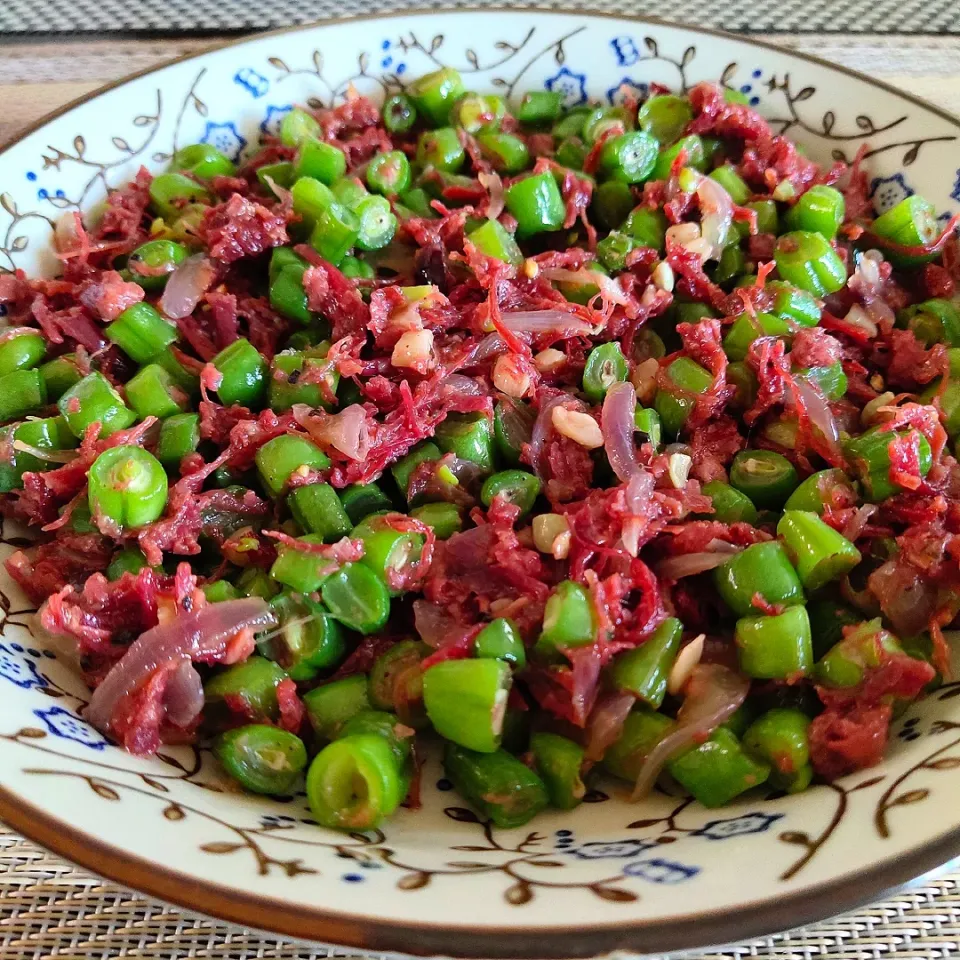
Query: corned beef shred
[(242, 228)]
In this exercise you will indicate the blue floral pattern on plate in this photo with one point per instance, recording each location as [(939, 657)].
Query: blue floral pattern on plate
[(572, 85), (256, 84), (612, 849), (68, 726), (887, 192), (225, 138), (627, 85), (737, 826), (625, 50), (658, 870), (270, 126), (19, 669)]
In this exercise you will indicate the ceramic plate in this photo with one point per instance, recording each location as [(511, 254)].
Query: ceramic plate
[(662, 875)]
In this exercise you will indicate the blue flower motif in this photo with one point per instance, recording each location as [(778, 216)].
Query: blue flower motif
[(273, 118), (954, 193), (737, 826), (944, 218), (225, 138), (887, 192), (627, 85), (625, 50), (658, 870), (572, 85), (256, 83), (613, 849), (61, 723), (19, 670)]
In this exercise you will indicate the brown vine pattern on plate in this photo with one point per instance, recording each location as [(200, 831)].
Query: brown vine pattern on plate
[(370, 846)]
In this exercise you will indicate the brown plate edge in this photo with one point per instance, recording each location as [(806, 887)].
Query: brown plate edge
[(276, 917)]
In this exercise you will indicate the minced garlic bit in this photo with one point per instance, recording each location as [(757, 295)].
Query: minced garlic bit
[(662, 276), (547, 529), (644, 379), (531, 269), (549, 360), (683, 233), (561, 546), (701, 247), (579, 427), (510, 377), (413, 349), (678, 467), (859, 318), (879, 409), (683, 666), (784, 190)]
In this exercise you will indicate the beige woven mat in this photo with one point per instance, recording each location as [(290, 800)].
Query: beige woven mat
[(50, 909)]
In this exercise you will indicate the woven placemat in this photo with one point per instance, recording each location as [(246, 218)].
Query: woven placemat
[(752, 16), (50, 909)]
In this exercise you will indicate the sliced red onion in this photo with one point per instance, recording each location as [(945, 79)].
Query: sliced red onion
[(189, 637), (863, 600), (350, 431), (51, 456), (584, 683), (494, 187), (517, 420), (882, 314), (489, 347), (858, 317), (536, 323), (606, 723), (855, 525), (463, 386), (618, 425), (865, 279), (714, 694), (690, 564), (281, 193), (639, 490), (716, 214), (186, 285), (426, 483), (465, 554), (183, 696), (906, 596), (818, 411), (436, 627), (543, 426), (610, 290), (637, 496)]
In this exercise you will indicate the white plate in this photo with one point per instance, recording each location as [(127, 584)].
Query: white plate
[(657, 876)]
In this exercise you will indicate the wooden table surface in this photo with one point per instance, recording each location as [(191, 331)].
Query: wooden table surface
[(36, 78)]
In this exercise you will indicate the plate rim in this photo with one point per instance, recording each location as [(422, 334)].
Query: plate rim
[(420, 938), (312, 924)]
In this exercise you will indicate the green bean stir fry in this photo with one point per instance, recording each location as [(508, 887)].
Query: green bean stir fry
[(587, 441)]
